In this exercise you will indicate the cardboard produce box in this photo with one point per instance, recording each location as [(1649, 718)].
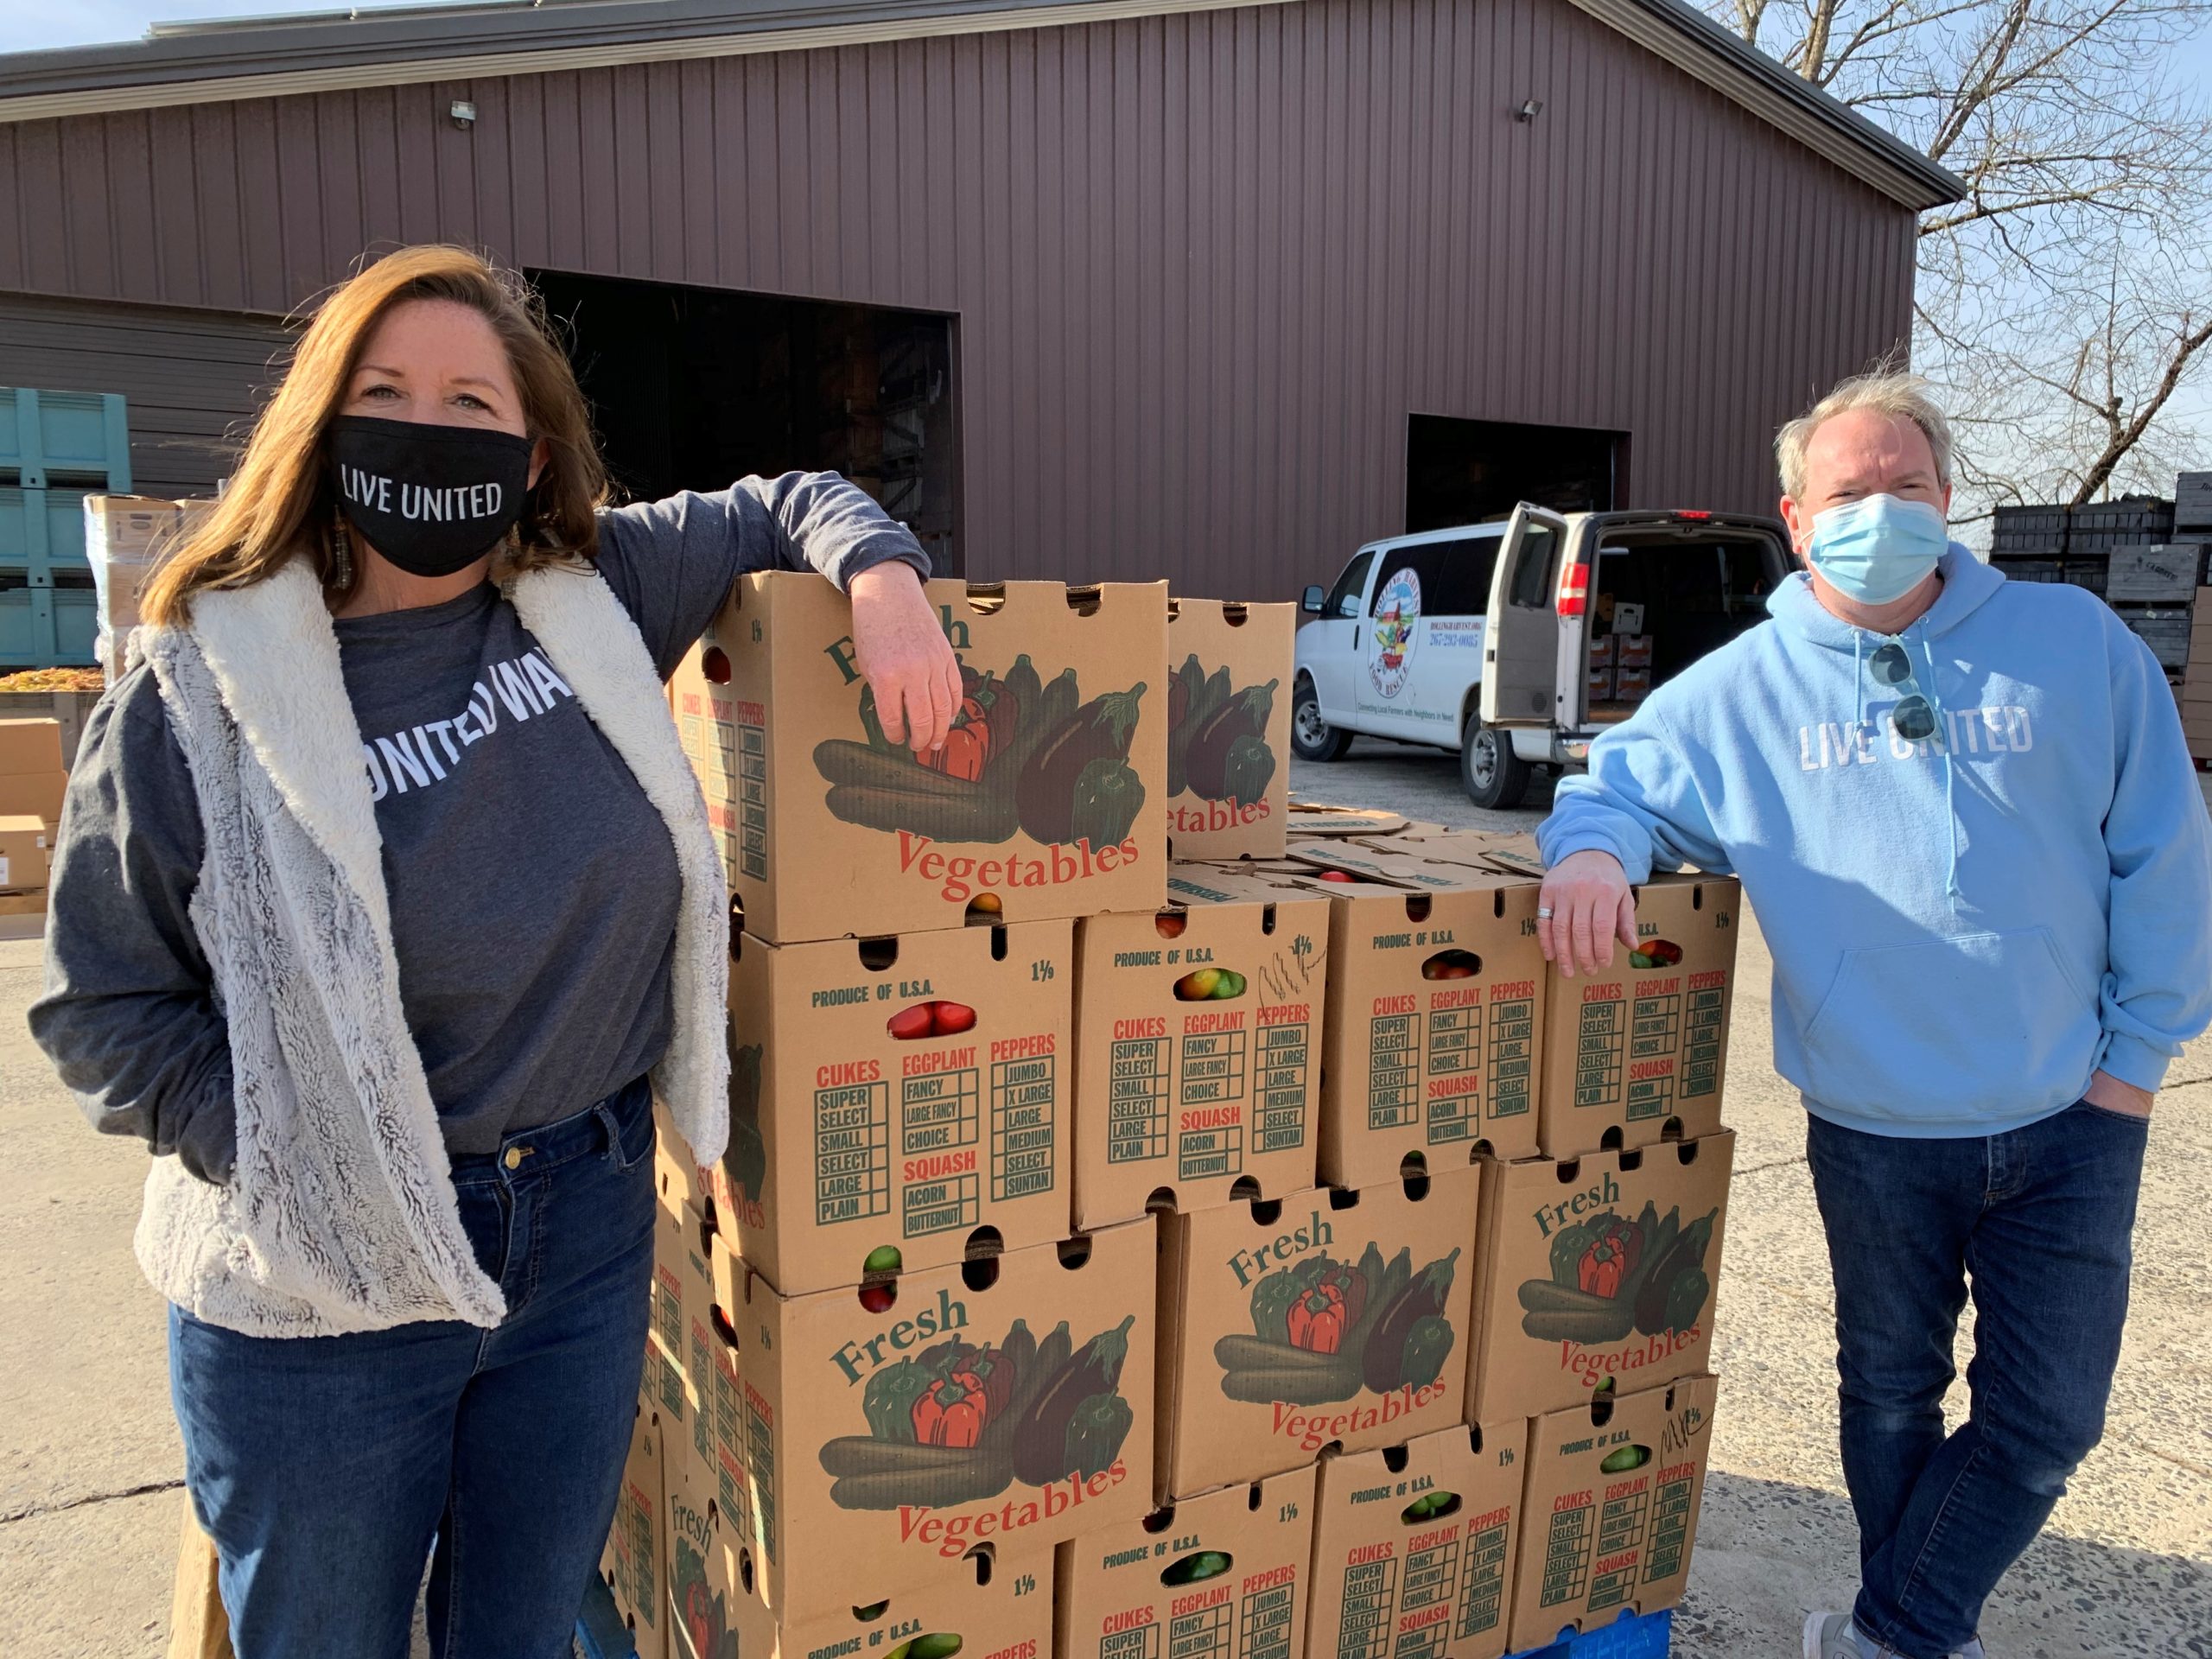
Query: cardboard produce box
[(988, 1604), (893, 1099), (1631, 684), (634, 1564), (1007, 1401), (1310, 821), (1598, 1268), (126, 538), (1221, 1576), (1049, 801), (1228, 728), (1640, 1052), (23, 853), (679, 1350), (1599, 684), (1330, 1317), (1414, 1546), (1198, 1045), (1437, 990), (32, 777), (1613, 1491)]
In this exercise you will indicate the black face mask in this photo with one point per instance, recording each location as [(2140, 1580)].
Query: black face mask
[(430, 498)]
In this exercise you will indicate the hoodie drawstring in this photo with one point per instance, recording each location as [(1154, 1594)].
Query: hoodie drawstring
[(1950, 772), (1858, 673)]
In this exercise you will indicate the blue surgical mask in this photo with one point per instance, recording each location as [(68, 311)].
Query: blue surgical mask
[(1878, 548)]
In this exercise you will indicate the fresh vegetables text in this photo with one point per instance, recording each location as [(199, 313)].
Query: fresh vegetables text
[(1023, 757), (1217, 744), (958, 1422)]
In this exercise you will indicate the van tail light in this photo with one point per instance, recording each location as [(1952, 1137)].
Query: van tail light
[(1574, 588), (1689, 517)]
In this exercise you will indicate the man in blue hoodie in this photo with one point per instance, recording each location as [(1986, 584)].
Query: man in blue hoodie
[(1963, 812)]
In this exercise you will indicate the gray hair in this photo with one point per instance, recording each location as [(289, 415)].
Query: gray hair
[(1886, 392)]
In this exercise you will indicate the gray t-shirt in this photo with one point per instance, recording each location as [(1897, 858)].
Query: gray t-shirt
[(534, 889)]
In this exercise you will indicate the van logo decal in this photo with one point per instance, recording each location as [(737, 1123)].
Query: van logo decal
[(1398, 612)]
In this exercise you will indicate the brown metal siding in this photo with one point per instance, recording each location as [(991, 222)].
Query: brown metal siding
[(1204, 266), (192, 377)]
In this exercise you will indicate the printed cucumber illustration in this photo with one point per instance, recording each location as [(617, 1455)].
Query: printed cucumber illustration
[(1611, 1275), (1218, 736), (958, 1423), (1325, 1329), (1022, 755)]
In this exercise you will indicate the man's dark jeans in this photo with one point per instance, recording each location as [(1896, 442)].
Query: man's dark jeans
[(2041, 1219)]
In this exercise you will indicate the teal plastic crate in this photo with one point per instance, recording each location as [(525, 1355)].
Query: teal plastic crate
[(42, 530), (54, 437)]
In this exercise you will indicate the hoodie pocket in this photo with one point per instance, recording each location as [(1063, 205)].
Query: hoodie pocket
[(1981, 1024)]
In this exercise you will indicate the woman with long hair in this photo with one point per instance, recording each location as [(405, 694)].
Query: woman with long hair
[(383, 905)]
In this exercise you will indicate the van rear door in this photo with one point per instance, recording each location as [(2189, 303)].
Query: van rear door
[(1521, 642)]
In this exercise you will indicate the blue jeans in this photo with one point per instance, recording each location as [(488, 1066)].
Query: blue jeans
[(325, 1467), (2041, 1219)]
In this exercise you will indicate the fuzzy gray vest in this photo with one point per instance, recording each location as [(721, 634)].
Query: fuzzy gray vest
[(341, 1214)]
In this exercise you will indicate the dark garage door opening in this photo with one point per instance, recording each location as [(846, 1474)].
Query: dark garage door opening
[(1471, 472), (692, 388)]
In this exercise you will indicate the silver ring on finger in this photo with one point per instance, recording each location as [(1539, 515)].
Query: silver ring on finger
[(1543, 913)]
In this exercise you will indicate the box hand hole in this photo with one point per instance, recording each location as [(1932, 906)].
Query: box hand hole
[(1196, 1567), (1430, 1506), (1452, 964)]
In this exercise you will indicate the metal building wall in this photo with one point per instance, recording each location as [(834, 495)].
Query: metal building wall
[(193, 377), (1205, 264)]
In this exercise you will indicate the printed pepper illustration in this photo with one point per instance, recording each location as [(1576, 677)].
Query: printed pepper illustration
[(1323, 1330), (1611, 1275), (1023, 755), (1655, 953), (1218, 736), (958, 1423), (746, 1159), (706, 1621)]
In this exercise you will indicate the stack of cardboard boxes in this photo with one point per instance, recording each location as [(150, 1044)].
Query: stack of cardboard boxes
[(126, 538), (32, 783), (2195, 689), (1155, 1222)]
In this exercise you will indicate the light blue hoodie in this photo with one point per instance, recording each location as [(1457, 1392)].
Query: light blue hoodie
[(1961, 934)]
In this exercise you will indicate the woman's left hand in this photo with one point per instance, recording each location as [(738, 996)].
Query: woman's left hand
[(902, 649)]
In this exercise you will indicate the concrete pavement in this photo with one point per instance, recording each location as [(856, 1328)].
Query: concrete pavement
[(2124, 1571), (89, 1459)]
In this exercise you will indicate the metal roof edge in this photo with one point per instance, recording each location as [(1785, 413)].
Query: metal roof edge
[(295, 55)]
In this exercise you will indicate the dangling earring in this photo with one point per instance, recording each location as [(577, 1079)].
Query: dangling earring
[(341, 555)]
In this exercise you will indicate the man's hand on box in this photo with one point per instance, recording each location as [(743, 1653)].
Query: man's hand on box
[(903, 651), (2110, 1092), (1591, 905)]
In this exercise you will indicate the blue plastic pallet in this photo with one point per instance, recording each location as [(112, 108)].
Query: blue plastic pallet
[(1629, 1636), (601, 1633)]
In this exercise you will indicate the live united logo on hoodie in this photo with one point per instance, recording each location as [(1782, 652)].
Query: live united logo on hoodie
[(2005, 729)]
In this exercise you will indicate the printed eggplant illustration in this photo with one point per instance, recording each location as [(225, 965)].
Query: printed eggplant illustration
[(1323, 1330), (958, 1423), (1611, 1275), (747, 1161), (1218, 736), (1022, 755)]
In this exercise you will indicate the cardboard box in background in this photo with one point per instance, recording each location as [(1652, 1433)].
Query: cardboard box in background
[(679, 1356), (1640, 1052), (126, 538), (634, 1564), (1601, 650), (1435, 1012), (1332, 1316), (1309, 820), (1631, 684), (1632, 647), (1220, 1576), (1613, 1492), (1600, 1266), (1414, 1546), (891, 1097), (32, 777), (23, 853), (1049, 802), (1627, 618), (1007, 1401), (1228, 707), (1197, 1055), (1599, 686)]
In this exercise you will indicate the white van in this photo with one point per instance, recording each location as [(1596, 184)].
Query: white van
[(1517, 643)]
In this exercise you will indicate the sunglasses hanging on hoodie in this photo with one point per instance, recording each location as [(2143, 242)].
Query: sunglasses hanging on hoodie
[(430, 498)]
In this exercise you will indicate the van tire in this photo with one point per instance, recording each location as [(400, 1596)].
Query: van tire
[(1312, 738), (1495, 776)]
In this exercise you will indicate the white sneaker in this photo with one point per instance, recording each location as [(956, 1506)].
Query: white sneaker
[(1833, 1636)]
